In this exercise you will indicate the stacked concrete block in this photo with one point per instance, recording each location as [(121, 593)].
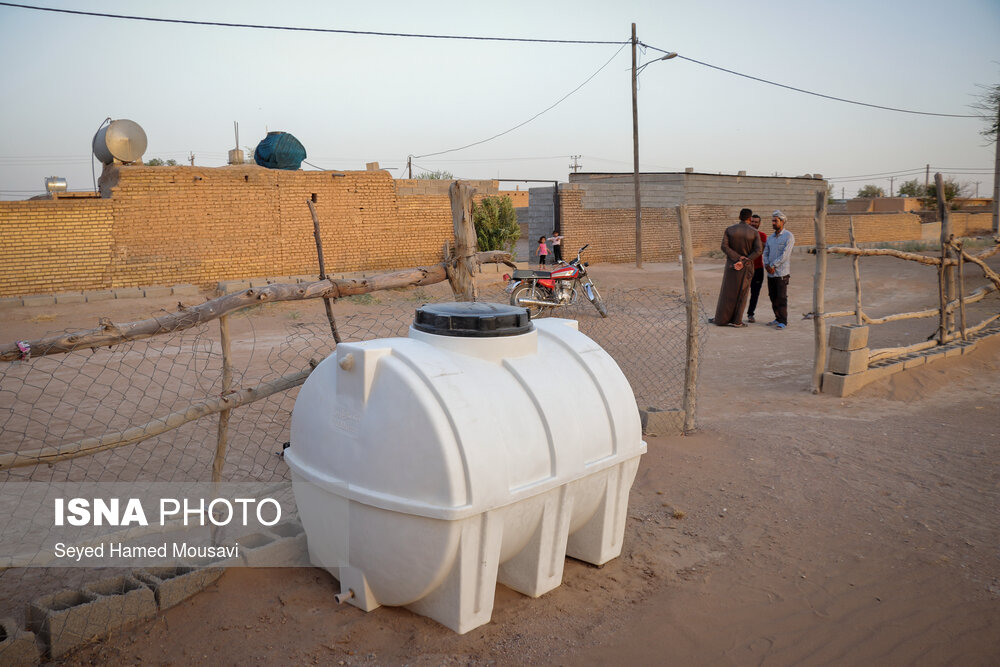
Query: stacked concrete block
[(70, 618), (173, 585), (847, 366), (17, 646)]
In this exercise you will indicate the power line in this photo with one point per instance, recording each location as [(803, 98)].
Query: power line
[(519, 125), (256, 26), (809, 92)]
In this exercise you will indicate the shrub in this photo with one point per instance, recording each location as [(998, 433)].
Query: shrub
[(496, 224)]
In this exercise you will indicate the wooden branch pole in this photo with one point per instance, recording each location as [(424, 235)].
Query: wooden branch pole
[(890, 252), (961, 290), (856, 259), (463, 281), (137, 434), (109, 334), (327, 303), (819, 282), (946, 238), (227, 383), (691, 306), (890, 352)]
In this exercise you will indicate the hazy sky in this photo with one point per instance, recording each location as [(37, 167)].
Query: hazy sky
[(352, 99)]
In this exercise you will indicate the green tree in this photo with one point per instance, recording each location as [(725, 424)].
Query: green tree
[(437, 175), (952, 189), (157, 162), (871, 191), (911, 188), (496, 224)]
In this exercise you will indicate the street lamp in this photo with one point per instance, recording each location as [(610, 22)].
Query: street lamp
[(635, 146)]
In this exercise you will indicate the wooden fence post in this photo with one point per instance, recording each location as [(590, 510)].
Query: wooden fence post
[(819, 283), (462, 278), (227, 385), (691, 306), (327, 303), (946, 283), (858, 317)]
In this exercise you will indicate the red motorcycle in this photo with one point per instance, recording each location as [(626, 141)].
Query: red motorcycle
[(541, 291)]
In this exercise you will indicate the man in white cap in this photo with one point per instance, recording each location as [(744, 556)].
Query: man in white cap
[(777, 264)]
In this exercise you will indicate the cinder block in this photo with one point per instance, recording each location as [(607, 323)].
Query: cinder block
[(884, 369), (17, 646), (156, 292), (65, 620), (255, 549), (259, 282), (968, 346), (662, 422), (232, 286), (127, 596), (173, 585), (99, 295), (71, 297), (11, 302), (848, 337), (39, 300), (952, 350), (848, 362), (185, 290), (843, 385), (933, 355), (305, 279), (914, 360), (128, 293)]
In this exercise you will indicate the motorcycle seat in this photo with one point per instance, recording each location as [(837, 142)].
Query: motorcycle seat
[(521, 274)]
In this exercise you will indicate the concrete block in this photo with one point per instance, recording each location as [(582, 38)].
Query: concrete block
[(39, 300), (934, 355), (968, 346), (71, 297), (848, 337), (185, 290), (914, 360), (290, 548), (11, 302), (254, 549), (17, 646), (65, 620), (99, 295), (173, 585), (848, 362), (156, 292), (259, 282), (128, 293), (884, 369), (127, 596), (843, 385), (662, 422), (232, 286), (952, 350)]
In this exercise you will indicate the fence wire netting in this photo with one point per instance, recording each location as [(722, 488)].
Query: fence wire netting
[(88, 396)]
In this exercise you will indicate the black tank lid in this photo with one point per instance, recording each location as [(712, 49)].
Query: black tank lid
[(472, 319)]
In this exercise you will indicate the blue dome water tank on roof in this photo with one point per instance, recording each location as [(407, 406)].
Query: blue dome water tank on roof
[(279, 150)]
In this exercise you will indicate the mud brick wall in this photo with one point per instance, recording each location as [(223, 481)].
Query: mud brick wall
[(171, 225), (54, 246)]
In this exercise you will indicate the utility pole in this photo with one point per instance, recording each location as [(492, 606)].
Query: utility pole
[(635, 156), (409, 166), (191, 158), (892, 180), (927, 179), (996, 177), (575, 167)]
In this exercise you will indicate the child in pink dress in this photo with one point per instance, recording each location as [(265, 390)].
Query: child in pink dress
[(543, 252)]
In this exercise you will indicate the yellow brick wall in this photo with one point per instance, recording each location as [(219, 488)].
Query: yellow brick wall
[(170, 225), (55, 246)]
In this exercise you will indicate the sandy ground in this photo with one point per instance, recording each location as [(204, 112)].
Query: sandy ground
[(790, 529)]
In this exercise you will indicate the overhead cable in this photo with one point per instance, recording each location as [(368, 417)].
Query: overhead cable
[(257, 26), (809, 92)]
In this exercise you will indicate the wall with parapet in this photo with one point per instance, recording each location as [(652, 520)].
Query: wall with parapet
[(174, 225)]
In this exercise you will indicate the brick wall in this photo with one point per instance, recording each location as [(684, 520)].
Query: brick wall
[(170, 225), (54, 246)]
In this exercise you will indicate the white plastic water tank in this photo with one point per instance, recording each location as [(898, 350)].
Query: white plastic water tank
[(484, 447)]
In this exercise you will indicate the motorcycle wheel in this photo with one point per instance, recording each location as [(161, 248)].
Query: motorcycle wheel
[(598, 301), (529, 292)]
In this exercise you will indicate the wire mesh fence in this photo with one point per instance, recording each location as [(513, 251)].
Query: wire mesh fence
[(71, 400)]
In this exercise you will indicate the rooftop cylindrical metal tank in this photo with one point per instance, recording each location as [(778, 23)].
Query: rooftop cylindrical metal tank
[(482, 448), (55, 184), (123, 140)]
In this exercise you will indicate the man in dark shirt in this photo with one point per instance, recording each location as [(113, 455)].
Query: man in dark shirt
[(758, 272)]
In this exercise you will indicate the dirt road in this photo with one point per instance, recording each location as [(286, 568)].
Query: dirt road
[(790, 529)]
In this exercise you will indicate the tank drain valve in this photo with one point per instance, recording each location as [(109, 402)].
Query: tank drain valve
[(341, 598)]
